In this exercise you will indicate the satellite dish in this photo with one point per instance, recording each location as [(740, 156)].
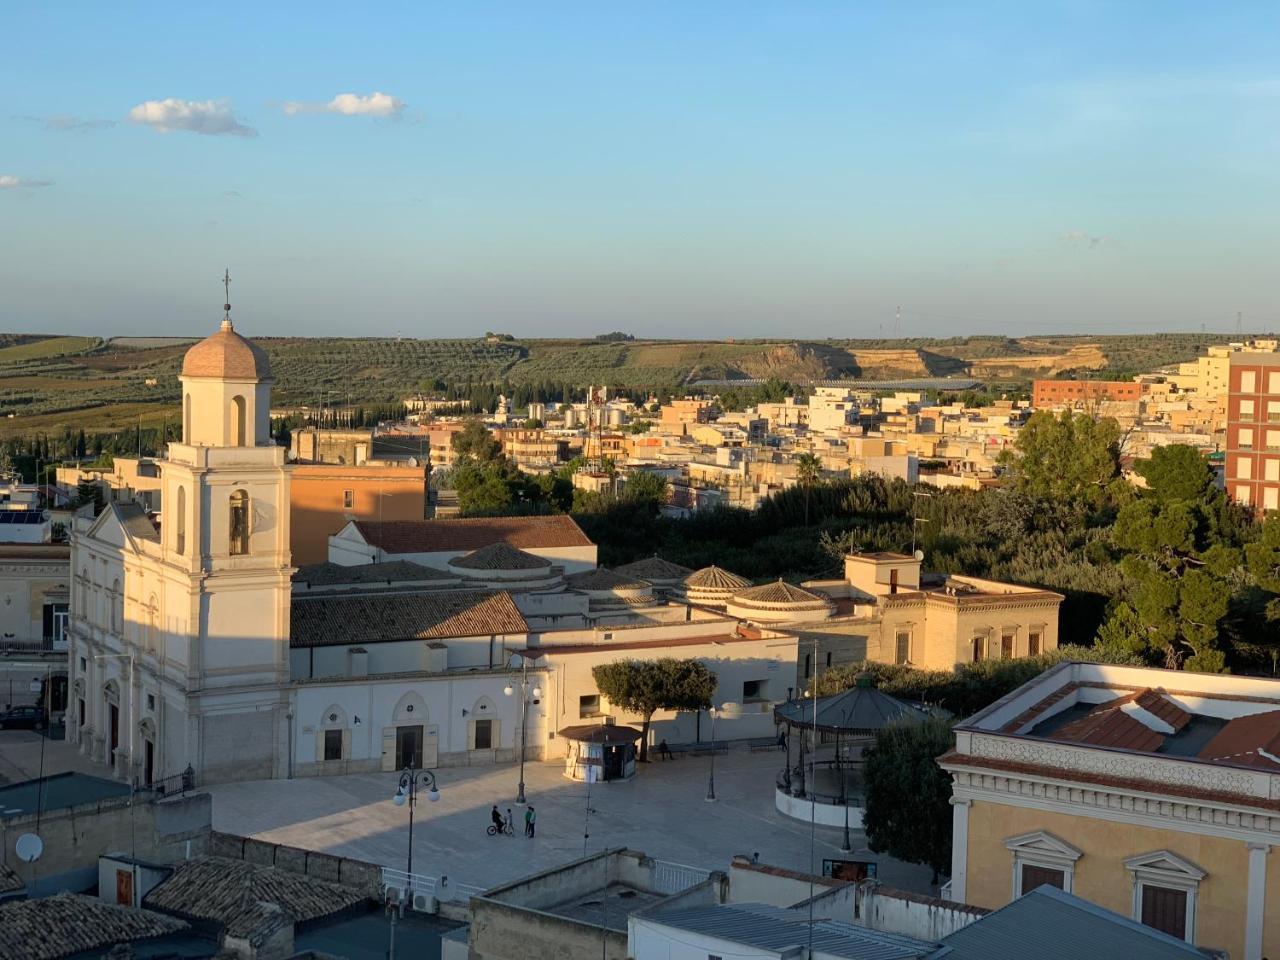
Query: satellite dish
[(919, 554), (29, 847)]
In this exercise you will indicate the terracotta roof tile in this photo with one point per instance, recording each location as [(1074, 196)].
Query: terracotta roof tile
[(222, 890), (352, 618), (471, 533), (499, 556), (1107, 725), (602, 578), (716, 578), (654, 568), (782, 593), (1253, 740), (392, 571), (1158, 704), (68, 924), (228, 356)]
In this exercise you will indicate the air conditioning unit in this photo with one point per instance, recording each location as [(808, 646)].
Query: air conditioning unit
[(424, 903)]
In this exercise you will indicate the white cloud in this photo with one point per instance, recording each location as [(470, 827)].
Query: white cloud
[(10, 182), (210, 117), (374, 104)]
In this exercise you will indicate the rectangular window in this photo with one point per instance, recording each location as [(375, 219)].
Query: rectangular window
[(1242, 495), (1248, 381), (828, 659), (484, 735), (1273, 439), (80, 710), (589, 705), (1033, 643), (1273, 410), (1244, 439), (151, 701), (1165, 909), (1246, 409), (1033, 876), (902, 647), (808, 665), (754, 690), (1271, 470), (333, 744), (348, 499), (979, 648), (1270, 498), (1006, 645), (1244, 468)]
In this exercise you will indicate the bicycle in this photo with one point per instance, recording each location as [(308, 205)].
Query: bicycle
[(508, 828)]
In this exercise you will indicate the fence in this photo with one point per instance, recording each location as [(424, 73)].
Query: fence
[(414, 884), (672, 878)]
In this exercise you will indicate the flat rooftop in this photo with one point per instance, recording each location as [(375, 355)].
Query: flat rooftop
[(607, 907), (57, 792)]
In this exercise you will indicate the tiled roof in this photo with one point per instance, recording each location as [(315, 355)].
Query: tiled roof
[(228, 356), (1107, 725), (135, 520), (715, 578), (782, 593), (499, 556), (600, 733), (222, 890), (653, 568), (603, 578), (1253, 740), (392, 571), (355, 617), (1159, 705), (472, 533), (10, 882), (68, 924)]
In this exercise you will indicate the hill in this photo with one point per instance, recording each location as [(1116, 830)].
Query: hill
[(50, 382)]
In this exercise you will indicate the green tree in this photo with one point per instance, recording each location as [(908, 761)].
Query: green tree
[(1177, 472), (908, 796), (645, 486), (1070, 457), (646, 686), (474, 442), (808, 475), (483, 490)]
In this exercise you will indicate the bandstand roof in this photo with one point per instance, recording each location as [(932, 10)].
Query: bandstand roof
[(859, 710)]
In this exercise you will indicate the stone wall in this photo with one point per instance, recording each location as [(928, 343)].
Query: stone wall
[(359, 874)]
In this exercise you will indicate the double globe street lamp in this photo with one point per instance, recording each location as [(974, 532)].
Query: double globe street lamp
[(524, 684), (410, 780)]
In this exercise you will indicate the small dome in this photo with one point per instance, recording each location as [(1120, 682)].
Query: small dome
[(654, 569), (780, 602), (227, 356), (716, 578), (499, 556)]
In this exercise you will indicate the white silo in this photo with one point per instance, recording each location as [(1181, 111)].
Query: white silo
[(570, 418)]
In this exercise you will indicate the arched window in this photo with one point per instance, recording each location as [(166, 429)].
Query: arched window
[(239, 531), (237, 422), (180, 539), (186, 419)]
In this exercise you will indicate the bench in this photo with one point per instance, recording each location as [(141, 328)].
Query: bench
[(758, 744), (701, 748)]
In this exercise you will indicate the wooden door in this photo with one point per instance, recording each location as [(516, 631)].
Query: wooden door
[(124, 887)]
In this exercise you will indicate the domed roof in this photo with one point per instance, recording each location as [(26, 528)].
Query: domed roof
[(499, 556), (654, 568), (717, 579), (602, 578), (227, 356), (781, 593)]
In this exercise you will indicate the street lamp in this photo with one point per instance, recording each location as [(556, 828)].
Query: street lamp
[(711, 776), (523, 681), (846, 847), (408, 790)]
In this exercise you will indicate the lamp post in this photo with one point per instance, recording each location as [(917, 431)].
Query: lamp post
[(523, 681), (408, 790), (846, 847), (711, 776)]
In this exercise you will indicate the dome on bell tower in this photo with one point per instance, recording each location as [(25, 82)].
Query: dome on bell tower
[(227, 356)]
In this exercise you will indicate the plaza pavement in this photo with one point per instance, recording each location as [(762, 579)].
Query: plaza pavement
[(662, 812)]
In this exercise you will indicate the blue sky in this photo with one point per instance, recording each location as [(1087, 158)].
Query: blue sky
[(669, 169)]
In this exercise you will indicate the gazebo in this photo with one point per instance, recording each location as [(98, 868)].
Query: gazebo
[(599, 753), (823, 780)]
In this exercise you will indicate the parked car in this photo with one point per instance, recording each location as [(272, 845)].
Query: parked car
[(22, 718)]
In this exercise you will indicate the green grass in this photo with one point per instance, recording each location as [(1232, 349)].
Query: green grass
[(45, 348)]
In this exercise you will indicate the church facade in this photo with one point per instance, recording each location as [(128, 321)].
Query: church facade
[(179, 640)]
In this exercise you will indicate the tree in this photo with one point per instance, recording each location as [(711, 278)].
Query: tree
[(1071, 457), (808, 474), (645, 486), (483, 490), (1177, 472), (645, 686), (474, 442), (908, 796)]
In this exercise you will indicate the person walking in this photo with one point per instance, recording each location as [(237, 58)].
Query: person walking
[(664, 751), (511, 823), (496, 817), (530, 819)]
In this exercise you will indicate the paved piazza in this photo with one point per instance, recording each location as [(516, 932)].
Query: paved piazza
[(662, 812)]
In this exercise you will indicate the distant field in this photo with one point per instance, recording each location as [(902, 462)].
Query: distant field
[(44, 348), (83, 381), (110, 418)]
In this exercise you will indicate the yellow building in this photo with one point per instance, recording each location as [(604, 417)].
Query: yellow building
[(888, 612), (1152, 793)]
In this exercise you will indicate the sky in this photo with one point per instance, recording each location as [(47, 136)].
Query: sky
[(709, 169)]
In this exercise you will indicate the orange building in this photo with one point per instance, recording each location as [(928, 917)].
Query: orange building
[(1253, 430), (324, 496), (1055, 393), (689, 410)]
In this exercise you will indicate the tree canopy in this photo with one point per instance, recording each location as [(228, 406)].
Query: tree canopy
[(1069, 457), (646, 686)]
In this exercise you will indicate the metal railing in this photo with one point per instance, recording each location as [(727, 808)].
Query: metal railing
[(419, 884), (176, 785), (672, 878)]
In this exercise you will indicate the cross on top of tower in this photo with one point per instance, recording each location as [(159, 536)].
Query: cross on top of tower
[(226, 306)]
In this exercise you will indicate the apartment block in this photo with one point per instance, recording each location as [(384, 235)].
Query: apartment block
[(1253, 430)]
